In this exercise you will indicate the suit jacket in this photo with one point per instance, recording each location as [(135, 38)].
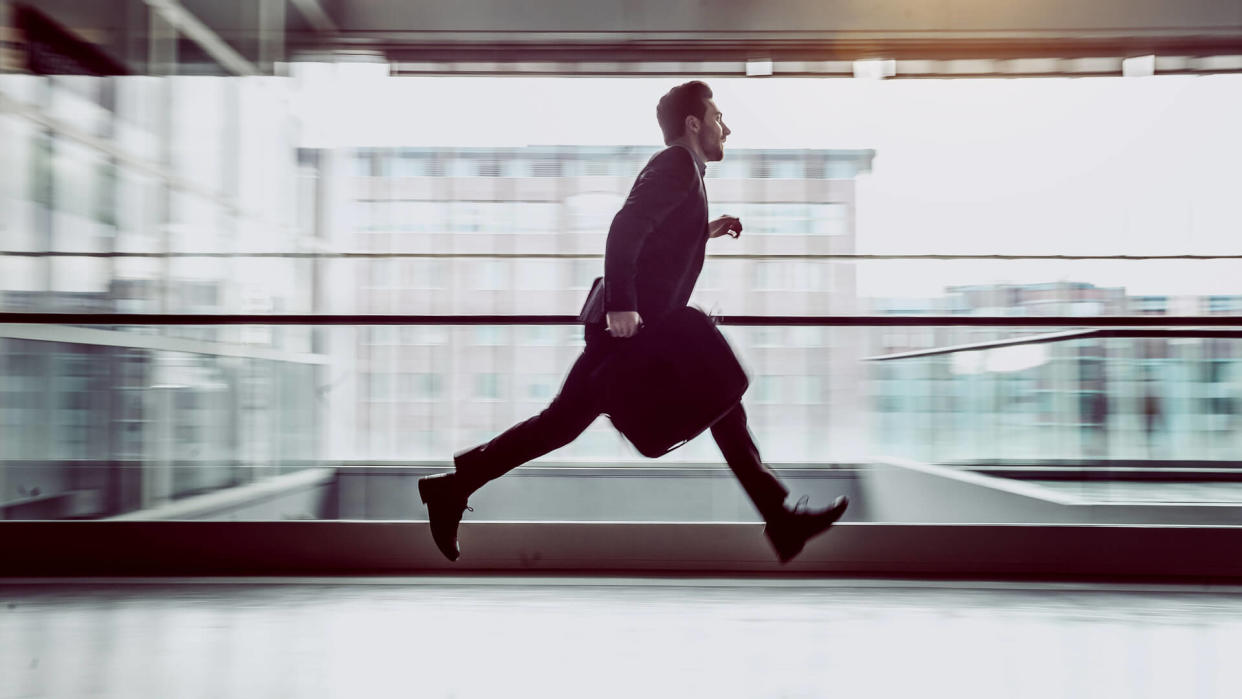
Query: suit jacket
[(657, 241)]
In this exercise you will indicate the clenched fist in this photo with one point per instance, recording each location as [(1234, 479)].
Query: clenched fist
[(624, 323)]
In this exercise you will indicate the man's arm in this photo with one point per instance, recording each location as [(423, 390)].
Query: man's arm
[(663, 184)]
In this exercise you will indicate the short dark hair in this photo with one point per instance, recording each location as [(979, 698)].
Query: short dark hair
[(687, 99)]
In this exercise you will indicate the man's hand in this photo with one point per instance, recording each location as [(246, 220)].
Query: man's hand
[(624, 323), (725, 225)]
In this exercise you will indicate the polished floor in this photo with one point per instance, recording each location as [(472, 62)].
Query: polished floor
[(615, 637)]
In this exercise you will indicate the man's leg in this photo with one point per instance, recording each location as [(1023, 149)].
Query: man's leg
[(573, 409), (738, 447), (788, 529)]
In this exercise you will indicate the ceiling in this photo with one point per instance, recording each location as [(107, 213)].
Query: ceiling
[(239, 36)]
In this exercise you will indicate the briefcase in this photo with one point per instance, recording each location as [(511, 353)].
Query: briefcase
[(671, 381)]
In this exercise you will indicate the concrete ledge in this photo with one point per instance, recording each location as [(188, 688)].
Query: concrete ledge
[(905, 491), (245, 501), (1043, 552)]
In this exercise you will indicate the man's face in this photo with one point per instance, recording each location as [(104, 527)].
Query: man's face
[(712, 133)]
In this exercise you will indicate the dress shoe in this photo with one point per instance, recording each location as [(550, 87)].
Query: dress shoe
[(446, 503), (791, 529)]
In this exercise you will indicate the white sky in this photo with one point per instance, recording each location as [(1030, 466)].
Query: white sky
[(1038, 165)]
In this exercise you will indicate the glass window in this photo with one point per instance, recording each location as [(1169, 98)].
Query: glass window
[(490, 275), (786, 168), (77, 169), (538, 335), (830, 219), (593, 211), (768, 275), (467, 216), (379, 386), (541, 387), (517, 167), (419, 386), (409, 164), (534, 216), (584, 272), (491, 335), (461, 167), (733, 166), (487, 386), (767, 389), (807, 389), (538, 275), (425, 216), (420, 273)]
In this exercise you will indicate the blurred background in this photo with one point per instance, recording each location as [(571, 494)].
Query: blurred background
[(315, 158)]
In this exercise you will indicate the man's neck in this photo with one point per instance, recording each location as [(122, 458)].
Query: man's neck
[(691, 145)]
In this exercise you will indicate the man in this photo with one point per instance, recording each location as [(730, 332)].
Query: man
[(653, 256)]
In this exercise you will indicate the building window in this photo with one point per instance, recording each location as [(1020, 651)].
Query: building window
[(412, 165), (537, 275), (516, 167), (490, 335), (535, 216), (786, 169), (364, 164), (1224, 304), (466, 216), (1153, 305), (592, 212), (599, 166), (379, 386), (547, 168), (428, 335), (768, 389), (583, 273), (733, 167), (807, 390), (766, 275), (487, 386), (538, 336), (830, 219), (419, 386), (489, 275), (807, 336), (540, 387)]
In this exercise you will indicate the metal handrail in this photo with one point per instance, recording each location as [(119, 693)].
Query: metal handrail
[(1215, 321), (361, 255), (1152, 333)]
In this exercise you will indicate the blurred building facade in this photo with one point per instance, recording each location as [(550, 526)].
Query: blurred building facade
[(522, 231), (1072, 399)]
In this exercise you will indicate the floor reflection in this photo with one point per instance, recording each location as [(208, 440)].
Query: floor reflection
[(598, 637)]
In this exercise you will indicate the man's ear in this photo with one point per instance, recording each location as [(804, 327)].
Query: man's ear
[(693, 124)]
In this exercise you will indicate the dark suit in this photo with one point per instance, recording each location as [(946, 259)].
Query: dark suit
[(655, 251), (657, 241)]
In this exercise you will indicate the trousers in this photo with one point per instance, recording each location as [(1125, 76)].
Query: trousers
[(577, 405)]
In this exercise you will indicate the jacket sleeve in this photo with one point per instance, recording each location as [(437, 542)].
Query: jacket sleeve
[(662, 185)]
